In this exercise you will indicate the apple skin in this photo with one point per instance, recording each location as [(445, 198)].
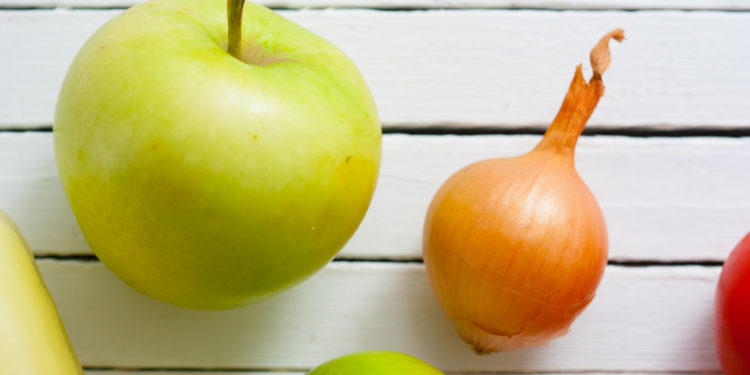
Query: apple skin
[(205, 181), (376, 363)]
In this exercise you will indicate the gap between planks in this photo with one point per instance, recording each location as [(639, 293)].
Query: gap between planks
[(406, 5), (653, 131), (615, 263)]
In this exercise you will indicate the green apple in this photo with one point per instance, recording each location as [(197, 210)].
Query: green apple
[(207, 181), (376, 363), (32, 338)]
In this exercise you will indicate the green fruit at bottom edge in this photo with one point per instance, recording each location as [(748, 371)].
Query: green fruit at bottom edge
[(376, 363), (32, 337), (206, 181)]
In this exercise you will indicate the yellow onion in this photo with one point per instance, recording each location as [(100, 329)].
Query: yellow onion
[(515, 247)]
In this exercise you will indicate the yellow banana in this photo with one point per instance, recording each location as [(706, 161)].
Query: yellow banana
[(32, 338)]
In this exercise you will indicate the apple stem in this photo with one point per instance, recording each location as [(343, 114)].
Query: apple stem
[(234, 22)]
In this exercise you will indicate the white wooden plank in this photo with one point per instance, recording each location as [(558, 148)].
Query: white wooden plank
[(427, 4), (663, 198), (462, 68), (654, 319)]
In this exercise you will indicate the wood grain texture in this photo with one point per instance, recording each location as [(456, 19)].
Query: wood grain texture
[(664, 199), (636, 323), (494, 68), (427, 4)]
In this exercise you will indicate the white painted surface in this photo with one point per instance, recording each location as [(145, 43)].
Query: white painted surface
[(462, 67), (637, 322), (428, 4), (663, 198)]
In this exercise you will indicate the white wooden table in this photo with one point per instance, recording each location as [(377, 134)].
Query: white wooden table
[(667, 153)]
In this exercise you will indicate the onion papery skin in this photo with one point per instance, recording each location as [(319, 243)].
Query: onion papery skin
[(515, 248), (516, 267)]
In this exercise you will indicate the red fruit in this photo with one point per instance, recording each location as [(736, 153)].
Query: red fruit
[(732, 319)]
